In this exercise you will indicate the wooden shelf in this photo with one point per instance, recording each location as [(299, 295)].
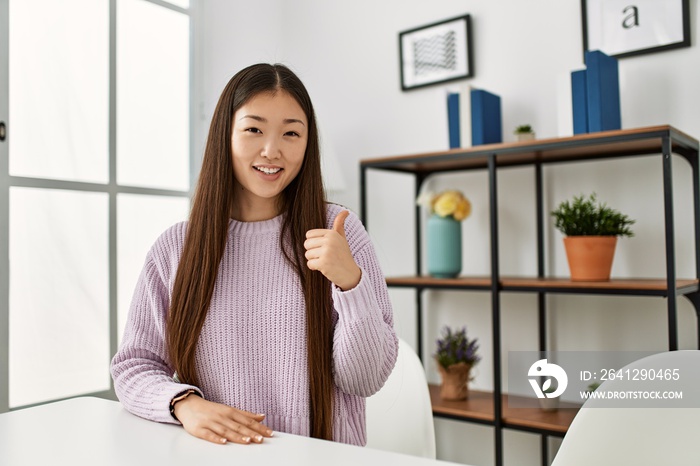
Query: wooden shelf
[(653, 141), (629, 286), (478, 283), (479, 408), (589, 146)]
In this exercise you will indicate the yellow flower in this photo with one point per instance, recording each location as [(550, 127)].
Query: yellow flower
[(446, 203), (464, 208), (451, 202)]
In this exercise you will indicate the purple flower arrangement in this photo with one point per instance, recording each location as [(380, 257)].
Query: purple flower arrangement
[(454, 347)]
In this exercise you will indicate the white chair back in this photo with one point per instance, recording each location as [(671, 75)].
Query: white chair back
[(601, 434), (400, 415)]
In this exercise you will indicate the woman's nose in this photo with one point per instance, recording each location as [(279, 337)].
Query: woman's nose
[(271, 149)]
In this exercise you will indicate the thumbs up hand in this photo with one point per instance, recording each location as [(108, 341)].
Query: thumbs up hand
[(328, 252)]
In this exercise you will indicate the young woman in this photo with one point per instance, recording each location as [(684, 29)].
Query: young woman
[(267, 310)]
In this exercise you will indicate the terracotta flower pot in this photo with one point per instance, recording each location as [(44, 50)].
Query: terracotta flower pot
[(454, 381), (590, 257)]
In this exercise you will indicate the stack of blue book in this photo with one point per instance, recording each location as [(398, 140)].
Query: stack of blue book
[(595, 94), (474, 118)]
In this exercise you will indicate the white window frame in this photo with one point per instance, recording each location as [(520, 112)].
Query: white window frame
[(112, 188)]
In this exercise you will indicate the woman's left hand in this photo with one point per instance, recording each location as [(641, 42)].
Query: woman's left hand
[(328, 252)]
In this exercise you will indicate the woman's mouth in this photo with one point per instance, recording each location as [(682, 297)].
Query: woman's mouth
[(268, 171)]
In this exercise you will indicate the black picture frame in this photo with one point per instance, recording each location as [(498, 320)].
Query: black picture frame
[(436, 53), (619, 28)]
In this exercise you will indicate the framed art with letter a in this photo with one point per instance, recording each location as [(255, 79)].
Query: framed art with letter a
[(623, 28)]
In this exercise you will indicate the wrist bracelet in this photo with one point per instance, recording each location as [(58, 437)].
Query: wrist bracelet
[(179, 397)]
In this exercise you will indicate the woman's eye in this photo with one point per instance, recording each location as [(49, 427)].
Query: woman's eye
[(253, 130), (291, 133)]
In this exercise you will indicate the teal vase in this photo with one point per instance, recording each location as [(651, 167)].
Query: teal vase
[(444, 247)]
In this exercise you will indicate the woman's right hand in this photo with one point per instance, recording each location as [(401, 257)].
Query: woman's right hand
[(219, 423)]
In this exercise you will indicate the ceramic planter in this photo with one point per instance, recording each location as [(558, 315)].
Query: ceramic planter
[(444, 237), (549, 404), (525, 136), (590, 257)]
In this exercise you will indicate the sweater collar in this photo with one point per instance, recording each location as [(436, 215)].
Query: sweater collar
[(251, 228)]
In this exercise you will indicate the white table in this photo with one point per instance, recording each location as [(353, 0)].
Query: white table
[(92, 431)]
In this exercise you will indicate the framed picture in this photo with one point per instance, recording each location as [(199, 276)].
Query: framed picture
[(624, 28), (436, 53)]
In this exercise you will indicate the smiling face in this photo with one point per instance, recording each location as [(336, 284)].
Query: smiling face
[(268, 142)]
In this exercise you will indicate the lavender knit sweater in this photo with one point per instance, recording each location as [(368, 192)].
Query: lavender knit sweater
[(252, 349)]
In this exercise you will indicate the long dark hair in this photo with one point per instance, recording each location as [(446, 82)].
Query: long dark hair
[(304, 203)]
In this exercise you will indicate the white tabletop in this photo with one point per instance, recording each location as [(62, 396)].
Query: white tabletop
[(93, 431)]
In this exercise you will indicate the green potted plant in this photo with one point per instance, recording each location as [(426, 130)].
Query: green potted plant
[(591, 229), (456, 355), (524, 133)]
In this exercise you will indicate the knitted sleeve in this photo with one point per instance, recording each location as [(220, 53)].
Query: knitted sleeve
[(365, 345), (143, 378)]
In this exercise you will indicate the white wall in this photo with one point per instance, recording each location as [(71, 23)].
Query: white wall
[(347, 54)]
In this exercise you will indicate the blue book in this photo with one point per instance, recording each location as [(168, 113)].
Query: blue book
[(602, 92), (579, 101), (453, 119), (486, 118)]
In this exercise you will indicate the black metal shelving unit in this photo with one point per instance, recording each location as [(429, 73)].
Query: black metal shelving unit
[(663, 141)]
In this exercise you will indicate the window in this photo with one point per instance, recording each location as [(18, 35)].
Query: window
[(98, 156)]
